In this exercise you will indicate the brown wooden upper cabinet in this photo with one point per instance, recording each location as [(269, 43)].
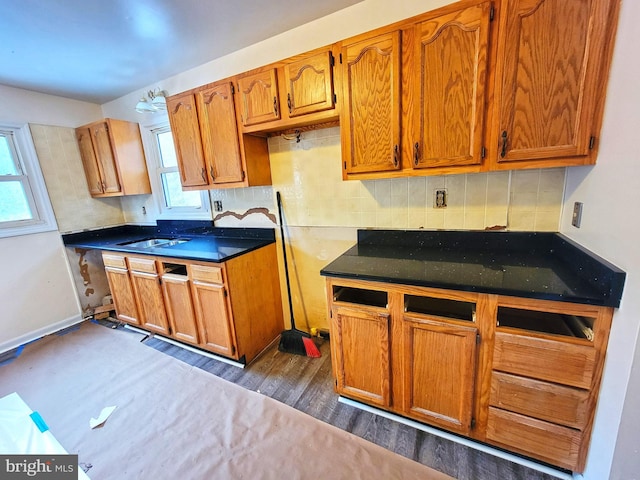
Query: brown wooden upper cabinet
[(551, 73), (113, 158), (486, 85), (211, 151), (295, 92), (258, 97), (371, 114), (448, 79)]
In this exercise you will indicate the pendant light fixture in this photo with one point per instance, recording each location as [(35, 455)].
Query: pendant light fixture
[(155, 101)]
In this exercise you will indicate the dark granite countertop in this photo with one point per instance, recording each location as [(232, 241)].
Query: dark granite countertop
[(547, 266), (204, 241)]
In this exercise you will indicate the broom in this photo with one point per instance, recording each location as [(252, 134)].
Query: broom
[(294, 340)]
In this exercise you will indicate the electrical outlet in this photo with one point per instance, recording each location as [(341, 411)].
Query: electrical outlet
[(217, 205), (440, 198), (576, 218)]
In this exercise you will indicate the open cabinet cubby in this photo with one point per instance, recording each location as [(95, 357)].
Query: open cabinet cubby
[(546, 322), (360, 296), (174, 268), (441, 307)]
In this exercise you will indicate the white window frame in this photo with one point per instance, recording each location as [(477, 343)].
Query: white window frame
[(155, 167), (32, 180)]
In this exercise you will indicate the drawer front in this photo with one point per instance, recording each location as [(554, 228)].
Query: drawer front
[(114, 260), (141, 264), (546, 401), (545, 359), (548, 442), (206, 273)]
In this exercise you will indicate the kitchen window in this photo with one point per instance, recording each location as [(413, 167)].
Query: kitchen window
[(172, 201), (24, 203)]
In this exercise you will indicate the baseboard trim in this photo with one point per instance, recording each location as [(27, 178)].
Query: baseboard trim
[(199, 351), (464, 441), (39, 333)]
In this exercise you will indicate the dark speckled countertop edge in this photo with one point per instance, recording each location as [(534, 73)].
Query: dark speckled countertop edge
[(425, 258), (206, 242)]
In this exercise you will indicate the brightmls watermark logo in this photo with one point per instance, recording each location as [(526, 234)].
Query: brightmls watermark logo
[(45, 467)]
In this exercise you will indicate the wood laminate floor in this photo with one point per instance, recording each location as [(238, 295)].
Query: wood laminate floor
[(306, 384)]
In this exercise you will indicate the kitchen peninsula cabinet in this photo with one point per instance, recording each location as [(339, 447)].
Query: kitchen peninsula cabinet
[(210, 299), (113, 158), (501, 338), (176, 288), (551, 75), (232, 308), (148, 294), (115, 266), (211, 151)]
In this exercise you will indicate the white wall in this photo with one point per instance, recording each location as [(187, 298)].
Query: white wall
[(37, 293), (610, 192)]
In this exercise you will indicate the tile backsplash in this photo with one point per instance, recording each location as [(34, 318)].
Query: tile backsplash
[(308, 175)]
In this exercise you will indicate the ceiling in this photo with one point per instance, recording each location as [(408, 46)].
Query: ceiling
[(99, 50)]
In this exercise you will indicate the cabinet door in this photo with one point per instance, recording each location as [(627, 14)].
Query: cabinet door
[(259, 97), (148, 292), (219, 130), (309, 84), (450, 78), (439, 372), (185, 129), (549, 67), (214, 322), (122, 292), (89, 161), (361, 353), (370, 116), (177, 294), (107, 162)]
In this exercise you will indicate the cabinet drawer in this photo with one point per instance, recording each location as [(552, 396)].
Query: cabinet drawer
[(546, 401), (205, 273), (114, 260), (545, 359), (140, 264), (543, 440)]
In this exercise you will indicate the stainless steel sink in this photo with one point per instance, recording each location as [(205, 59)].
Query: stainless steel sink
[(155, 242)]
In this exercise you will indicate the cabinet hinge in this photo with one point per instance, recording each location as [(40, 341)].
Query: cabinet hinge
[(243, 175), (233, 89), (473, 423), (224, 292), (592, 142), (233, 349), (483, 152), (477, 339), (335, 98), (332, 59), (340, 58), (492, 13)]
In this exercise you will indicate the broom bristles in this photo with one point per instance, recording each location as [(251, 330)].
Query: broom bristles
[(310, 348)]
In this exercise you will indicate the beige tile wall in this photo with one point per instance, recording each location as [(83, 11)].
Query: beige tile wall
[(59, 158), (323, 212)]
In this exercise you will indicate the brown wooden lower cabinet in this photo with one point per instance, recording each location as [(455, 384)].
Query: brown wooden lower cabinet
[(232, 308), (517, 373)]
